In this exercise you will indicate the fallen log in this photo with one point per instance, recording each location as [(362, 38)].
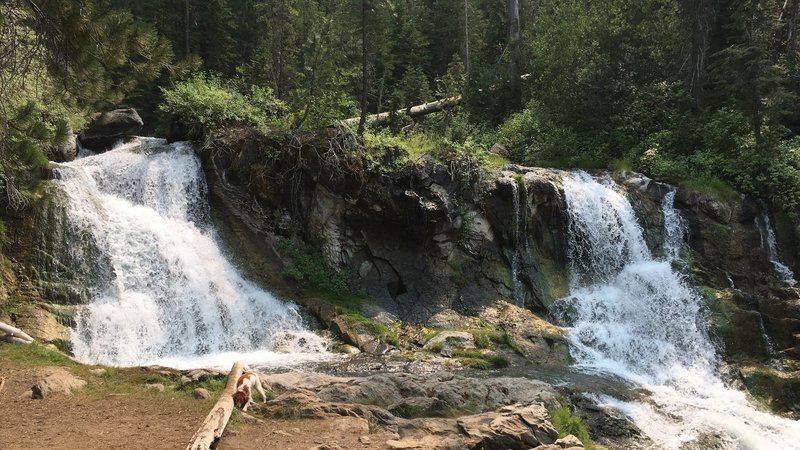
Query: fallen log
[(414, 111), (2, 383), (207, 437), (16, 333)]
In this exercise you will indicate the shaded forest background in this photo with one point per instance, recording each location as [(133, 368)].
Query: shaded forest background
[(701, 92)]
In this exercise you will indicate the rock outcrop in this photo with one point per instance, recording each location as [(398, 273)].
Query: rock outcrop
[(472, 413), (110, 127)]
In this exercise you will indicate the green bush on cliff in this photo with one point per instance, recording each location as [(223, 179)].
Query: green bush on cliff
[(307, 265), (203, 104)]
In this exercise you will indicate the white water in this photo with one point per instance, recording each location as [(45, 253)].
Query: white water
[(674, 227), (516, 284), (632, 315), (770, 244), (173, 299)]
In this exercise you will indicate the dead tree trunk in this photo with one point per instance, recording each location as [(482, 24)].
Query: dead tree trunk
[(210, 432), (15, 334), (414, 111)]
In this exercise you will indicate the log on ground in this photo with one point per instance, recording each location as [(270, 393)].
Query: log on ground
[(209, 434)]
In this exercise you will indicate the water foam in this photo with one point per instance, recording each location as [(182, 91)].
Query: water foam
[(634, 316), (770, 244), (172, 297)]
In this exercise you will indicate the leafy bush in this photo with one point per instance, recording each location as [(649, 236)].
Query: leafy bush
[(203, 104)]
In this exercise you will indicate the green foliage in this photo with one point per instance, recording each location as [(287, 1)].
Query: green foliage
[(480, 360), (214, 385), (308, 265), (3, 233), (203, 104), (381, 331), (565, 423)]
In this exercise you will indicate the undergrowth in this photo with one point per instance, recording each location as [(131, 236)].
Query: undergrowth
[(307, 267), (566, 423)]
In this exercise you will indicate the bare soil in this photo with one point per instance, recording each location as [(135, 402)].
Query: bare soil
[(120, 413)]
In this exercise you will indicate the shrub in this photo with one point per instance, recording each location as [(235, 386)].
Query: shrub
[(203, 104)]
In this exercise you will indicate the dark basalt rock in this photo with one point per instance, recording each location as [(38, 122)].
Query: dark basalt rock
[(111, 126)]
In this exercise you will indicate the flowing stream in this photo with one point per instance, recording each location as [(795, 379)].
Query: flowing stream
[(170, 296), (632, 315), (770, 244)]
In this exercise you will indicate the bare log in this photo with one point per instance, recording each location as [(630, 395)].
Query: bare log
[(414, 111), (207, 437), (15, 332), (15, 340), (2, 383)]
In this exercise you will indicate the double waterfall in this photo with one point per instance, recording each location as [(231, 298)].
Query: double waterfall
[(167, 294), (171, 296), (631, 314)]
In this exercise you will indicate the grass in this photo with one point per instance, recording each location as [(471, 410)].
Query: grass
[(480, 360), (33, 355), (710, 185), (115, 381), (381, 331), (565, 423), (485, 338), (13, 306)]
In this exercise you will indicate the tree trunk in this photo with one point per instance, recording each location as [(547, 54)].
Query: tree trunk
[(207, 437), (363, 118), (15, 333), (466, 39), (791, 44), (513, 52), (414, 111), (698, 17), (186, 29)]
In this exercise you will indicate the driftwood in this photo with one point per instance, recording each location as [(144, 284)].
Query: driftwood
[(207, 437), (15, 334), (414, 111)]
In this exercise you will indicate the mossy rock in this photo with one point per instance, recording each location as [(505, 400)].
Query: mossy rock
[(739, 329), (779, 390)]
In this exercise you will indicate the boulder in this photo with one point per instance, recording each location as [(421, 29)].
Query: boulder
[(512, 427), (65, 151), (201, 394), (55, 380), (111, 126), (154, 387)]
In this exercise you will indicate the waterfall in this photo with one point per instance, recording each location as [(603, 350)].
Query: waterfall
[(631, 315), (170, 296), (770, 244), (516, 284), (674, 227)]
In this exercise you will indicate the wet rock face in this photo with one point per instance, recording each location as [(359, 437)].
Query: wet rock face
[(415, 237)]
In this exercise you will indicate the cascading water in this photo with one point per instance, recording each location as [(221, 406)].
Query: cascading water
[(171, 298), (770, 244), (674, 227), (633, 316), (516, 284)]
